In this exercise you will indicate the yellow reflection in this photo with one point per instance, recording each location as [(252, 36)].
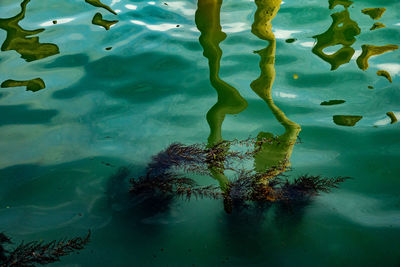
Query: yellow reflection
[(229, 99), (271, 151), (17, 38)]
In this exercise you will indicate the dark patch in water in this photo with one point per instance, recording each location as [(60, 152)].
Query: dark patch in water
[(332, 102)]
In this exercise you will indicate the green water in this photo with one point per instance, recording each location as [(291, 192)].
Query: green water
[(79, 101)]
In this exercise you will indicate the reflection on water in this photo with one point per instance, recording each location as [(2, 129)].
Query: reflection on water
[(276, 150), (345, 120), (229, 99), (259, 186), (17, 38), (374, 13), (33, 85), (98, 20), (377, 25), (372, 50), (342, 31), (98, 3), (385, 74), (117, 106)]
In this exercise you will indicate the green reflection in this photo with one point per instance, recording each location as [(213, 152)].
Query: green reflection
[(372, 50), (346, 120), (374, 13), (377, 25), (229, 99), (97, 3), (345, 3), (17, 38), (33, 85), (385, 74), (271, 151), (342, 32), (98, 20)]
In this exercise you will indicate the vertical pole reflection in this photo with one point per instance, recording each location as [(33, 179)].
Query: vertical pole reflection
[(229, 99), (270, 151)]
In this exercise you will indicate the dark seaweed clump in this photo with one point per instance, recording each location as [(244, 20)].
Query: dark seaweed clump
[(167, 176), (35, 252)]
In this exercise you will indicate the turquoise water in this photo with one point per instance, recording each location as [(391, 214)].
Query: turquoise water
[(102, 109)]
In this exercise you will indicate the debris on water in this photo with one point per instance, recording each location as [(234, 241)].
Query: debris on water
[(295, 76), (54, 21), (108, 48), (370, 87), (385, 74)]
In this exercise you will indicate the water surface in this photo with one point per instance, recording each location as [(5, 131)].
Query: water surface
[(79, 101)]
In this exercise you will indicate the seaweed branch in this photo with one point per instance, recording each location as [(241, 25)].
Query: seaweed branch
[(164, 176), (35, 252)]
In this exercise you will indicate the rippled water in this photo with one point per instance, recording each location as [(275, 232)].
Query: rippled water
[(102, 99)]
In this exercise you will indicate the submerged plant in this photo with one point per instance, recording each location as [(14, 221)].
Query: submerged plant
[(167, 176), (37, 252)]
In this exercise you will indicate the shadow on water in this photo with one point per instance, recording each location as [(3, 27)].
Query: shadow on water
[(133, 78), (24, 114)]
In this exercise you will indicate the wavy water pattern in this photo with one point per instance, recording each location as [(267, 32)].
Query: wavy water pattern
[(115, 97)]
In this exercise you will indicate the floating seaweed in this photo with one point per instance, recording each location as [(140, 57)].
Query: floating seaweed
[(98, 20), (35, 252)]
